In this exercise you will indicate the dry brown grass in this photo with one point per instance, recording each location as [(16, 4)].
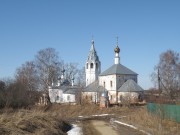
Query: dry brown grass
[(152, 123), (50, 120), (71, 111), (32, 122), (47, 120)]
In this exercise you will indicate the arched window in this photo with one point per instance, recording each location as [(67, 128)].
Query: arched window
[(68, 98), (57, 98), (121, 98), (91, 65), (111, 97), (111, 84), (96, 65), (104, 84), (87, 66)]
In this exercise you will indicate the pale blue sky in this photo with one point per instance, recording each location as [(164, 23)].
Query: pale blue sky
[(145, 29)]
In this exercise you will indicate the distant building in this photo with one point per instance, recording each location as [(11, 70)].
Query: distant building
[(108, 81), (64, 91)]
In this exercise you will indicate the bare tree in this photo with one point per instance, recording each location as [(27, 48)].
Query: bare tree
[(2, 85), (81, 77), (48, 66), (71, 70), (27, 74), (167, 72)]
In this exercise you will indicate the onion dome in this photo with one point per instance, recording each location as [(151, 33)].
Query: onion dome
[(117, 50)]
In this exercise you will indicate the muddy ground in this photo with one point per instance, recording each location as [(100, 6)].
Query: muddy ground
[(100, 127)]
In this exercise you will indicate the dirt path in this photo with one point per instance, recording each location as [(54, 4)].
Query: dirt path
[(103, 128), (100, 127)]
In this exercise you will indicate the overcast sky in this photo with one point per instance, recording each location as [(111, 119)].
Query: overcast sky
[(145, 28)]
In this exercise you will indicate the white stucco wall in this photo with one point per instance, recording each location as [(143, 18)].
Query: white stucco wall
[(91, 96), (106, 80), (92, 73), (57, 96), (112, 96), (131, 96), (69, 98), (117, 81)]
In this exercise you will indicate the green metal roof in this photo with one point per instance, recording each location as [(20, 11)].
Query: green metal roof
[(118, 69)]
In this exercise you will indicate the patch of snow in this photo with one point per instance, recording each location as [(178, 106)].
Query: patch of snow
[(75, 130), (103, 115), (122, 117), (94, 115), (128, 125), (131, 126)]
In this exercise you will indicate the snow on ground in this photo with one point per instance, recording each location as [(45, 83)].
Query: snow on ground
[(95, 115), (103, 115), (131, 126), (75, 130)]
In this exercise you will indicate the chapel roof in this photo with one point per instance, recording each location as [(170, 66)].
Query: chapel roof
[(130, 86), (66, 89), (71, 90), (118, 69), (94, 87)]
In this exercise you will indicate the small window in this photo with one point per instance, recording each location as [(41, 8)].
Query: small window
[(57, 98), (96, 65), (111, 97), (104, 84), (91, 65), (120, 97), (68, 98), (87, 66), (111, 83)]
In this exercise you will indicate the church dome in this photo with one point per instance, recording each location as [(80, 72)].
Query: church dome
[(117, 50)]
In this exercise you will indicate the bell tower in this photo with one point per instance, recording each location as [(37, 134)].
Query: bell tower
[(92, 66)]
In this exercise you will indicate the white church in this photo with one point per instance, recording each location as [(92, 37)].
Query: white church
[(117, 82)]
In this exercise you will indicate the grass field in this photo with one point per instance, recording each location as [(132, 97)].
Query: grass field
[(55, 119)]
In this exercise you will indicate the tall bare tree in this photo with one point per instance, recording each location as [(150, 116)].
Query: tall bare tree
[(2, 85), (81, 77), (27, 74), (48, 66), (71, 70), (168, 70)]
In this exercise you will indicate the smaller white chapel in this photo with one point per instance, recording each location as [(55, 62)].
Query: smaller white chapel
[(117, 82)]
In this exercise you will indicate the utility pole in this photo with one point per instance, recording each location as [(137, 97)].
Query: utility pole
[(159, 79)]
